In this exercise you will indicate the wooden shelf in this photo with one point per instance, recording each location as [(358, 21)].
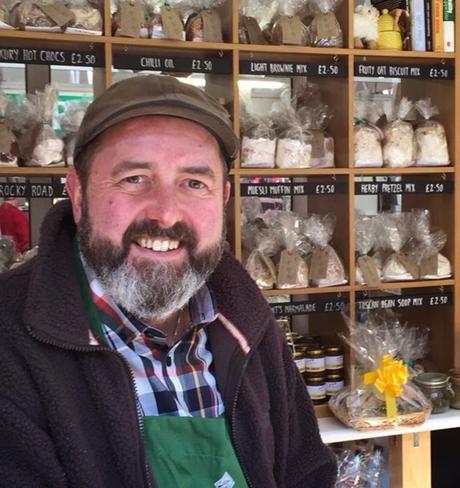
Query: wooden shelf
[(416, 170), (54, 37), (322, 411), (306, 291), (394, 285), (270, 48), (401, 54), (160, 43), (290, 172), (33, 171)]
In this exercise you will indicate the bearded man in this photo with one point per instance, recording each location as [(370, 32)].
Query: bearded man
[(135, 352)]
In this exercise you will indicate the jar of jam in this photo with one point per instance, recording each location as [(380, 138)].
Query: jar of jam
[(334, 383), (333, 357), (315, 360), (299, 358), (316, 386), (455, 382), (436, 387)]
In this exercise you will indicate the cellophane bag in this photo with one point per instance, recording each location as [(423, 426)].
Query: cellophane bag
[(7, 252), (260, 244), (367, 136), (365, 239), (30, 15), (326, 267), (87, 17), (8, 150), (288, 28), (393, 232), (258, 141), (324, 30), (204, 22), (398, 144), (165, 19), (70, 122), (254, 17), (139, 8), (385, 396), (5, 15), (427, 252), (292, 266), (293, 149), (430, 137), (44, 147)]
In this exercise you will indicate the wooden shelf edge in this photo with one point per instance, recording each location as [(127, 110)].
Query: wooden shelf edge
[(398, 171), (401, 54), (322, 411), (405, 285), (52, 36), (270, 48), (33, 171), (290, 172), (306, 291), (164, 43)]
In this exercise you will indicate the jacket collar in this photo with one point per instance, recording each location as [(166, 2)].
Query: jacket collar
[(55, 309)]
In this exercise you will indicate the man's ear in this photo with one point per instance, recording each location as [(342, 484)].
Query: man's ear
[(227, 189), (74, 190)]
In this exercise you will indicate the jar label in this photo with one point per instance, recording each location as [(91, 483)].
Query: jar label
[(317, 392), (334, 386), (300, 363), (314, 364), (334, 362)]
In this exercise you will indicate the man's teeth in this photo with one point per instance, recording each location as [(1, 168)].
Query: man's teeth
[(158, 245)]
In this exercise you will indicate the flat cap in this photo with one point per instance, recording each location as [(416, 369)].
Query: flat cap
[(157, 95)]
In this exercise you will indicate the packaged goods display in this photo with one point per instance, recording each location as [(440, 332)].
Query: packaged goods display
[(165, 21), (385, 394), (324, 30), (38, 144), (258, 141), (9, 258), (5, 18), (8, 147), (398, 144), (368, 269), (87, 17), (437, 389), (360, 465), (70, 123), (288, 27), (454, 375), (367, 137), (365, 30), (42, 16), (326, 267), (430, 137), (255, 16), (204, 22)]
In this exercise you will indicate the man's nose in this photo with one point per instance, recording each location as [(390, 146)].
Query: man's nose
[(163, 206)]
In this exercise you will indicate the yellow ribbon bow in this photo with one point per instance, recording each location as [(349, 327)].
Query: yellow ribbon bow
[(388, 380)]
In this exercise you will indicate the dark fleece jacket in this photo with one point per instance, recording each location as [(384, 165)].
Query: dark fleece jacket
[(68, 413)]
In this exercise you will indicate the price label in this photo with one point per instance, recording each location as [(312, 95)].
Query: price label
[(403, 187), (292, 189), (308, 307), (325, 189), (328, 70), (405, 301), (93, 58), (437, 72), (439, 300), (202, 65), (338, 69), (81, 59), (434, 188)]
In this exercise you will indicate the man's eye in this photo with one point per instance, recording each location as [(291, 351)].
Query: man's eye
[(196, 185), (134, 180)]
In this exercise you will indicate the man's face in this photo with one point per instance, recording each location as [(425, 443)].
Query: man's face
[(151, 218)]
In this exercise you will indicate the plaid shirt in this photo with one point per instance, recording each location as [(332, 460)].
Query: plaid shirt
[(176, 381)]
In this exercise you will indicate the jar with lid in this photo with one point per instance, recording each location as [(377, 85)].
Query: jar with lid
[(299, 357), (455, 382), (316, 387), (436, 387), (333, 357), (315, 360), (334, 383)]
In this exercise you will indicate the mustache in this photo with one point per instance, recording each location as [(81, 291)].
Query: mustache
[(152, 229)]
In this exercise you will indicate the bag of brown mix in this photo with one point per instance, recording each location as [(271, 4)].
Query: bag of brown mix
[(129, 18), (368, 270), (70, 122), (255, 15), (5, 15), (258, 141), (292, 265), (326, 267), (289, 29), (8, 147), (293, 149), (39, 145), (324, 30), (367, 137), (394, 231), (87, 17), (42, 16), (260, 244), (204, 23), (430, 137), (165, 19), (398, 144), (433, 265)]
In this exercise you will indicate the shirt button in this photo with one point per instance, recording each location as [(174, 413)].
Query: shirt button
[(168, 361)]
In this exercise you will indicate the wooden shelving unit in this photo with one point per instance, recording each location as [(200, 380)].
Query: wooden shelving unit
[(338, 91)]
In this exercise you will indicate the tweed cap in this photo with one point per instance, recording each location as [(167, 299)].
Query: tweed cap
[(157, 95)]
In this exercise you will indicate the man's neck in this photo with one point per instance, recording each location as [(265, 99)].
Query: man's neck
[(174, 326)]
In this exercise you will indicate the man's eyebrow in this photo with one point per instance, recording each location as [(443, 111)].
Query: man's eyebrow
[(203, 170), (123, 166)]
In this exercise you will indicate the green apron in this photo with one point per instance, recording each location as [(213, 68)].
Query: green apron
[(183, 452)]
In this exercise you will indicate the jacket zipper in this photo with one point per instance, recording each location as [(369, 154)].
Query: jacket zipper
[(71, 347), (233, 423)]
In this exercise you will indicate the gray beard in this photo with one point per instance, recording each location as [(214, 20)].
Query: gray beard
[(149, 291)]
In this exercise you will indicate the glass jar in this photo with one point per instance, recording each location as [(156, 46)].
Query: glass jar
[(315, 360), (334, 357), (334, 383), (299, 358), (316, 386), (436, 387), (455, 381)]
